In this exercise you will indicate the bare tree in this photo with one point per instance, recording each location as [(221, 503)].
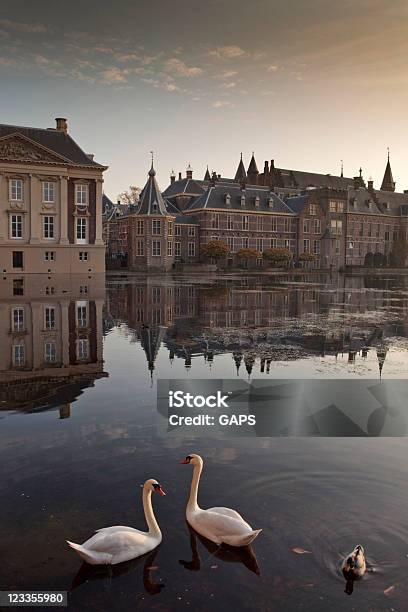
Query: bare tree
[(131, 196)]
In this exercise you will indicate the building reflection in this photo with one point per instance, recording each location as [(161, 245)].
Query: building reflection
[(257, 323), (51, 340)]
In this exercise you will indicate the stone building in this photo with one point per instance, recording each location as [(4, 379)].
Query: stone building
[(50, 202), (336, 220)]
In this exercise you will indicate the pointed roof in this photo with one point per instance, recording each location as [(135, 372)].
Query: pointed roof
[(207, 176), (388, 183), (240, 174), (151, 200), (253, 168)]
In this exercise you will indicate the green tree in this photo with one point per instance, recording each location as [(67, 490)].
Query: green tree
[(307, 256), (277, 256), (248, 254), (215, 249)]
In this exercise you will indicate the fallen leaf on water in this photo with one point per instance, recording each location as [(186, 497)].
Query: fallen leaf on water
[(214, 566), (153, 567), (389, 590), (301, 551)]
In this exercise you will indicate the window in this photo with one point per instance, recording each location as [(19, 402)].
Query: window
[(332, 207), (81, 230), (16, 226), (82, 314), (82, 349), (317, 226), (156, 248), (140, 227), (18, 286), (17, 319), (245, 222), (274, 243), (156, 227), (336, 207), (49, 317), (49, 256), (288, 244), (49, 290), (336, 226), (48, 192), (259, 244), (81, 195), (18, 353), (83, 289), (274, 224), (230, 222), (178, 230), (156, 295), (48, 227), (83, 256), (169, 248), (18, 259), (245, 243), (50, 352), (316, 247), (337, 247), (286, 225), (306, 226), (191, 231), (313, 209), (191, 249), (259, 224), (170, 230), (177, 249), (306, 245), (16, 190), (140, 248), (230, 242), (215, 221), (340, 207)]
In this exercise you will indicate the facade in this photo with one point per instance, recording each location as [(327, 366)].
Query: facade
[(50, 203), (334, 221)]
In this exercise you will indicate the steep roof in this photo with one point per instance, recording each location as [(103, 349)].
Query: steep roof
[(217, 197), (207, 176), (56, 141), (253, 168), (184, 186), (388, 183), (240, 174), (151, 200)]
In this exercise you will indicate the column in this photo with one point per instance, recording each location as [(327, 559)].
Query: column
[(64, 333), (98, 212), (63, 210), (37, 325), (34, 203), (3, 217)]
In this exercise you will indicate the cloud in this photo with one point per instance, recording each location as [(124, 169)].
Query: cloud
[(273, 68), (227, 52), (166, 83), (5, 61), (221, 103), (19, 26), (179, 68), (228, 85), (113, 76), (226, 74)]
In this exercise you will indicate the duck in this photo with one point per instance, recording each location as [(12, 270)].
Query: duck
[(354, 565), (218, 524), (113, 545)]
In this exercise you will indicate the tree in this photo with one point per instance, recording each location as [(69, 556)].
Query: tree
[(399, 251), (248, 254), (215, 249), (277, 256), (131, 196)]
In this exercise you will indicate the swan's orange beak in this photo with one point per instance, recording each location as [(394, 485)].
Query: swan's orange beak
[(185, 461), (160, 491)]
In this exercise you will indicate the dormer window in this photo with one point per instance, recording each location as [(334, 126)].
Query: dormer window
[(154, 207), (270, 201), (227, 199), (243, 200), (256, 202)]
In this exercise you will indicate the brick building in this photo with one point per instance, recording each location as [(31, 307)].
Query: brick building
[(339, 221)]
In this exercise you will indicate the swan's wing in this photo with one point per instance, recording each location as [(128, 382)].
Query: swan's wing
[(219, 524), (117, 528), (226, 512), (116, 542)]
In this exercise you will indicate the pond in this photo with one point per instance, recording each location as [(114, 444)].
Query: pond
[(80, 432)]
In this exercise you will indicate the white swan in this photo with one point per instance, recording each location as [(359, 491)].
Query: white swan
[(220, 525), (354, 565), (112, 545)]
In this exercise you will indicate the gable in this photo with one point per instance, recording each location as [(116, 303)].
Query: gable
[(16, 147)]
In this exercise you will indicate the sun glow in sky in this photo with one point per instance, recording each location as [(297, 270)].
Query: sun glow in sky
[(304, 83)]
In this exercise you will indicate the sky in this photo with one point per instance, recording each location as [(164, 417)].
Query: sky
[(304, 82)]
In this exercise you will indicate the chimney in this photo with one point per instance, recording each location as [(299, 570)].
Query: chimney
[(179, 176), (266, 168), (61, 124), (172, 176), (370, 184), (189, 172)]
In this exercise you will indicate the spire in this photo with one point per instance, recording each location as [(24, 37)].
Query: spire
[(253, 171), (207, 176), (240, 174), (342, 168), (388, 183), (151, 200)]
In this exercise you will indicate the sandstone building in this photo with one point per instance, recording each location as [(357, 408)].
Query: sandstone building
[(50, 203)]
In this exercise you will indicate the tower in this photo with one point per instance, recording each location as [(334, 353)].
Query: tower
[(240, 175), (253, 172), (388, 183)]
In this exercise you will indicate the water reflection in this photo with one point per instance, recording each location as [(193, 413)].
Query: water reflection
[(51, 342), (228, 554)]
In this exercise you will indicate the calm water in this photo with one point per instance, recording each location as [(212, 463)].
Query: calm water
[(79, 436)]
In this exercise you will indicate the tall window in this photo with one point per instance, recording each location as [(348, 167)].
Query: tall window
[(16, 226), (18, 355), (169, 248), (178, 230), (259, 223), (274, 243), (245, 243), (48, 227), (286, 225), (50, 352), (170, 228), (306, 245), (139, 248), (48, 192), (317, 226), (230, 222), (156, 248), (177, 249), (274, 224), (191, 249), (82, 314), (17, 319), (192, 231), (259, 244), (156, 227), (81, 195), (245, 222), (316, 247), (230, 242), (306, 226), (49, 317), (140, 227), (16, 190), (313, 209), (336, 226), (81, 227), (215, 221), (156, 295), (82, 349)]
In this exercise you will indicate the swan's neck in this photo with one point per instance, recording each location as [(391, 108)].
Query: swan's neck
[(154, 528), (192, 501)]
